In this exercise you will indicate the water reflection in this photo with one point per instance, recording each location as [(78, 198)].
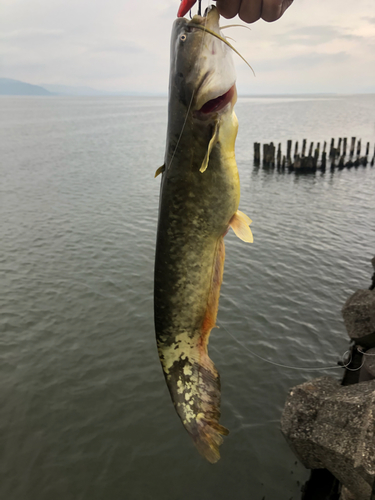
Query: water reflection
[(86, 413)]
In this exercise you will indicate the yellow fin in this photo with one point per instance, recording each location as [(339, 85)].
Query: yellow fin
[(210, 146), (240, 225), (160, 170)]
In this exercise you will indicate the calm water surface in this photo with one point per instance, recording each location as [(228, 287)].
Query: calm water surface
[(85, 413)]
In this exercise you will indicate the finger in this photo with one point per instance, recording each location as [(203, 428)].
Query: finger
[(274, 9), (250, 10), (228, 8)]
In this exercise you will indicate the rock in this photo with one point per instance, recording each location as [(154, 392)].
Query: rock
[(372, 287), (359, 317), (346, 495), (368, 368), (333, 427)]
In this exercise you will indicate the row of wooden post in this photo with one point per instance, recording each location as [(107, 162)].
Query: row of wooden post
[(340, 155)]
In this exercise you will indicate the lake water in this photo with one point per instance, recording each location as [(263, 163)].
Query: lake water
[(85, 412)]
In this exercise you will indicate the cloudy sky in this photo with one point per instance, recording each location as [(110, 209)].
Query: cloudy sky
[(123, 45)]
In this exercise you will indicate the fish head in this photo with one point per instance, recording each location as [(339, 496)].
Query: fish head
[(202, 76)]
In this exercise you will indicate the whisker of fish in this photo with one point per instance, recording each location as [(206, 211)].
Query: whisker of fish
[(213, 33), (235, 26), (204, 28)]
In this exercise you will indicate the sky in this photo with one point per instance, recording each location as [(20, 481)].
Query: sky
[(318, 46)]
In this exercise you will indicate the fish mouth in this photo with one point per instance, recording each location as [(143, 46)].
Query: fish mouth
[(217, 104)]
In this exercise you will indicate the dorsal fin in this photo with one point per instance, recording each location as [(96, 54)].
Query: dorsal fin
[(160, 170)]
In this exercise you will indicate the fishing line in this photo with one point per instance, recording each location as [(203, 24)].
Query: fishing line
[(344, 365), (365, 353)]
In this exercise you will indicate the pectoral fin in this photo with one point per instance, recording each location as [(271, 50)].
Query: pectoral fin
[(211, 144), (240, 224), (160, 170)]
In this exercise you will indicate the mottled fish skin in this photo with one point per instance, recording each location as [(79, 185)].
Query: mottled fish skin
[(195, 211)]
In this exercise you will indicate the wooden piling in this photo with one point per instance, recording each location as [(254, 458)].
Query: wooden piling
[(265, 146), (256, 153), (352, 145), (331, 147), (288, 150), (324, 159), (266, 155), (272, 155), (314, 158), (316, 155), (295, 150), (333, 158), (297, 162), (359, 148)]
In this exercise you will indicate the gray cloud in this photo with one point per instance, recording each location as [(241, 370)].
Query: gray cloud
[(31, 34), (118, 46), (124, 44), (315, 35), (302, 62), (370, 20)]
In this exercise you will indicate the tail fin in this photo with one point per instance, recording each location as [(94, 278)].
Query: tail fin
[(192, 378), (194, 384)]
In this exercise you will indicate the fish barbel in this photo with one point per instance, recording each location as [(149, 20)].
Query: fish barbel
[(199, 197)]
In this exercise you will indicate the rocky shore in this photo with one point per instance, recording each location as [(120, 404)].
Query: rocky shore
[(330, 426)]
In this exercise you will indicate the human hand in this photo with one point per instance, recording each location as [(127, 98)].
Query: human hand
[(248, 10), (252, 10)]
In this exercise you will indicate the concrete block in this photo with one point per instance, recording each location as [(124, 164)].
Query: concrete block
[(359, 317), (333, 427)]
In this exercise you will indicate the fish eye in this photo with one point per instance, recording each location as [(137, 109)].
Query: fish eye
[(183, 37)]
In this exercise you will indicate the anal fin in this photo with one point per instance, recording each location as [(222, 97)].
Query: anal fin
[(207, 434), (209, 321)]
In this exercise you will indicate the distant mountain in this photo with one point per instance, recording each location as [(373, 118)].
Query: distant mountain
[(70, 90), (88, 91), (8, 86)]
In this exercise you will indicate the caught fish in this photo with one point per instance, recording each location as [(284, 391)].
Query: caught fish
[(199, 198)]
